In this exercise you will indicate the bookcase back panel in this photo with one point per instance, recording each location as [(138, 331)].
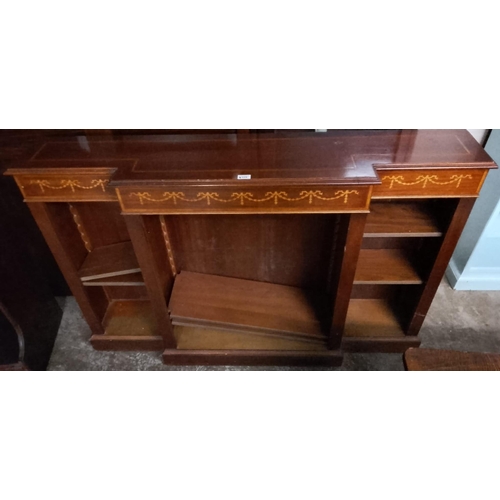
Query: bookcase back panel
[(102, 222), (126, 292), (290, 250), (68, 232)]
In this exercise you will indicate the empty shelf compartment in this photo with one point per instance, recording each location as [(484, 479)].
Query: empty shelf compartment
[(129, 318), (128, 325), (385, 266), (371, 318), (393, 219)]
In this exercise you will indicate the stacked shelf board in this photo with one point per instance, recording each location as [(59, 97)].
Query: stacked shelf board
[(386, 274), (111, 261), (133, 279), (233, 321), (202, 338), (239, 306)]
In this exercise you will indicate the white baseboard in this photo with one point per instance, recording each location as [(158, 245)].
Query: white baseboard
[(452, 274)]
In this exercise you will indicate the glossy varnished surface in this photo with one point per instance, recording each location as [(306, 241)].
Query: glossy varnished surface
[(430, 183), (443, 360), (249, 306), (225, 206), (245, 200), (410, 219), (385, 266), (335, 157), (238, 246), (192, 338)]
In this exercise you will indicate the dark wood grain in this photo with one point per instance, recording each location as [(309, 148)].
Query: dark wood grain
[(134, 279), (238, 246), (334, 157), (374, 291), (219, 199), (125, 318), (64, 226), (103, 223), (409, 219), (249, 306), (126, 343), (252, 358), (385, 266), (112, 260), (293, 276), (125, 292), (345, 259), (442, 360), (371, 318), (195, 338), (419, 183), (16, 367), (129, 325), (380, 344), (373, 325), (151, 253), (60, 184)]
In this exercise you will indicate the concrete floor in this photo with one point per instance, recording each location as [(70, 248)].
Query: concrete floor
[(463, 321)]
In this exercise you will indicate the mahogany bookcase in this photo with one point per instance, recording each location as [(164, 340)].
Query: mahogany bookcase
[(255, 248)]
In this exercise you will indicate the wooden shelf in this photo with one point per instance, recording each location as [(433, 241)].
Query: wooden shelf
[(371, 318), (128, 325), (109, 261), (371, 326), (394, 219), (385, 266), (134, 279), (195, 338), (204, 300), (129, 318)]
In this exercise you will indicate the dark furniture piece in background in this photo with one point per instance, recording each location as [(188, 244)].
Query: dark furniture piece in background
[(442, 360), (11, 342), (287, 247), (29, 276)]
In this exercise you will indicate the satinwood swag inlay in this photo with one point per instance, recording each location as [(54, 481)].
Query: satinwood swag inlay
[(425, 179), (275, 196), (94, 183), (81, 229)]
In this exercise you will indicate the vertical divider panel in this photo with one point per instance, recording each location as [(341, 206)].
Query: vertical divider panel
[(352, 229), (149, 246)]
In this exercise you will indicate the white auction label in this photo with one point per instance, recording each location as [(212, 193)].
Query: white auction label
[(244, 177)]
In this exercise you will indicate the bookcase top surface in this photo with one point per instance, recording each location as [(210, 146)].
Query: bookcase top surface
[(333, 157)]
